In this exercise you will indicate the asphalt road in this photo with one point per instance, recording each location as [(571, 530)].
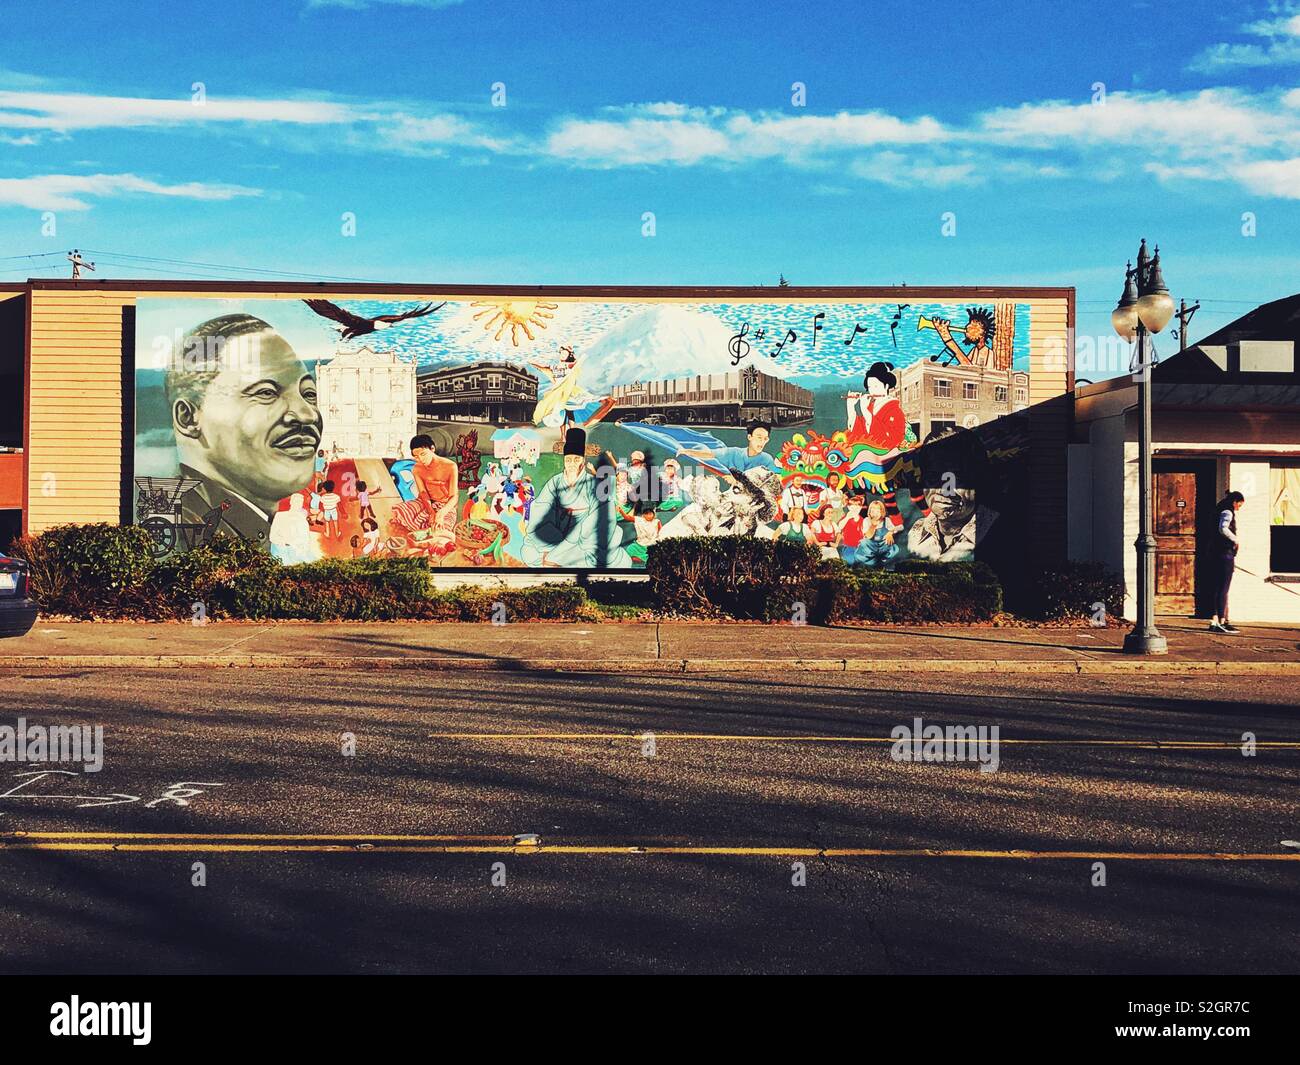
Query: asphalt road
[(622, 853)]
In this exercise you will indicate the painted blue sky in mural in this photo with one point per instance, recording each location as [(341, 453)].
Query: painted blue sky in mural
[(827, 347), (242, 133), (832, 341)]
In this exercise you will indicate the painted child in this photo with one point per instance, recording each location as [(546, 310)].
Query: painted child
[(370, 536), (647, 526), (363, 499), (329, 506)]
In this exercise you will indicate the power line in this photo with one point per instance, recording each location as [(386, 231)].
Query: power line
[(138, 262), (110, 261), (223, 266)]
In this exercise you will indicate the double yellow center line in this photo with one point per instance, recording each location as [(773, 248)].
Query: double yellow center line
[(316, 843)]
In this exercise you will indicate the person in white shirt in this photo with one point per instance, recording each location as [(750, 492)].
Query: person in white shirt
[(794, 495), (833, 496)]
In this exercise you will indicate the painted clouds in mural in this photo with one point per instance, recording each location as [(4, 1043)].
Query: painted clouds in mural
[(571, 433)]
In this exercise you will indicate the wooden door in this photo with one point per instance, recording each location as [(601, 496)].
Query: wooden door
[(1175, 528)]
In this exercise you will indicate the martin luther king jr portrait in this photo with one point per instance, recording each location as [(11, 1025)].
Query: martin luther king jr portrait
[(244, 415)]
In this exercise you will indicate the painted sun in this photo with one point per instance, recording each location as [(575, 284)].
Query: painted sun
[(515, 315)]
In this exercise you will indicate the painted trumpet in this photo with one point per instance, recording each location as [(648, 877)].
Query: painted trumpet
[(922, 322)]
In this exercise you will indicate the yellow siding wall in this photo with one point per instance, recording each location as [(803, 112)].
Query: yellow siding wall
[(1049, 348), (75, 388)]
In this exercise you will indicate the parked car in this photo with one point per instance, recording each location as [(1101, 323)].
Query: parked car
[(17, 612)]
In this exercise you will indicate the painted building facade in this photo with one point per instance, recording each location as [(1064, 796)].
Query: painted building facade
[(369, 401), (477, 392), (938, 397), (724, 399)]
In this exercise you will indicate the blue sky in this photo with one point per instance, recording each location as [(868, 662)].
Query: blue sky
[(1056, 139)]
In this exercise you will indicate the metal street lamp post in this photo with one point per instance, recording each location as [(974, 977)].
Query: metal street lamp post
[(1144, 308)]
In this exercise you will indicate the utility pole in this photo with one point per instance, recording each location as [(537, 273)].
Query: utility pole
[(1184, 320), (78, 264)]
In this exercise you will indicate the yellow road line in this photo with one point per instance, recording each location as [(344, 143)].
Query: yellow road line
[(258, 836), (592, 850)]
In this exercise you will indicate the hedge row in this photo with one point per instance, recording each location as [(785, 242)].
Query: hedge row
[(917, 593), (777, 580), (739, 576), (107, 571)]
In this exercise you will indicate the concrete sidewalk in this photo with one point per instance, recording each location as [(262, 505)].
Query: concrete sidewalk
[(647, 647)]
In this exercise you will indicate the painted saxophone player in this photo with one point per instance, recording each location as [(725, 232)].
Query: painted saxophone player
[(247, 427)]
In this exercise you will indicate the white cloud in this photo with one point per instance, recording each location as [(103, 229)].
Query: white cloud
[(65, 112), (770, 135), (1282, 48), (1224, 135), (682, 135), (635, 141), (1285, 26), (1224, 57), (1219, 134), (368, 126), (1212, 119), (436, 134), (65, 192), (1274, 177), (1206, 135)]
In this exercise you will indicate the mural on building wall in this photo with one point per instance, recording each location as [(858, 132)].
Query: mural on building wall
[(515, 432)]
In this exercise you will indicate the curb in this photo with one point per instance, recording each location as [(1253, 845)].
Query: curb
[(1078, 666)]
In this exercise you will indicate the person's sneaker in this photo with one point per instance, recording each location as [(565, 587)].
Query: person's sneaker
[(1231, 630), (1216, 627)]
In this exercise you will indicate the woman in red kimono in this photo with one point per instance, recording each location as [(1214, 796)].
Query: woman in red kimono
[(876, 417)]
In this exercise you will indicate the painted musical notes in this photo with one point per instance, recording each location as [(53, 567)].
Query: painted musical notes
[(738, 345), (790, 337), (893, 323)]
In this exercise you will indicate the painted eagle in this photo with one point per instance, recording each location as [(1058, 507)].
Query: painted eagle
[(353, 325)]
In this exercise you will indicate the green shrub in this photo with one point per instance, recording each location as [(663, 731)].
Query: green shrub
[(98, 568), (195, 576), (764, 579), (47, 579), (1067, 590), (546, 602), (738, 575), (917, 593), (329, 590)]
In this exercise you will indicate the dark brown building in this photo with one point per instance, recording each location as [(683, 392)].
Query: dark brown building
[(490, 392)]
